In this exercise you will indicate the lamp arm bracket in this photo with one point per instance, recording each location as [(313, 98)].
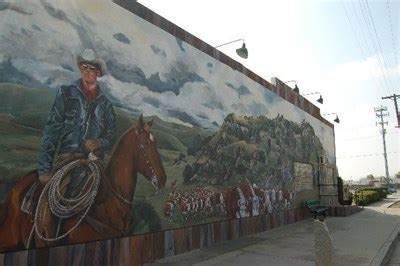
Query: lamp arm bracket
[(311, 93), (229, 43)]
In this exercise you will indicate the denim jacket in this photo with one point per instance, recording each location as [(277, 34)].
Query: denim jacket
[(72, 121)]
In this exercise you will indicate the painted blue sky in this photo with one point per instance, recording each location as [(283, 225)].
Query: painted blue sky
[(346, 50)]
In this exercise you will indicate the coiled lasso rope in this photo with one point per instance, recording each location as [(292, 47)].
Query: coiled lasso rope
[(63, 207)]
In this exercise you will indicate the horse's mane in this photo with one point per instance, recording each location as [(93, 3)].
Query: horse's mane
[(118, 143), (121, 137)]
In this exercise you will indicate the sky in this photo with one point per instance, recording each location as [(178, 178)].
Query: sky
[(330, 47)]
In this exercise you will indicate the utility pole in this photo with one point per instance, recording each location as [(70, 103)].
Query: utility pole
[(380, 114), (394, 97)]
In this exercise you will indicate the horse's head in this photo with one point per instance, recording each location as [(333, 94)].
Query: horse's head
[(148, 160)]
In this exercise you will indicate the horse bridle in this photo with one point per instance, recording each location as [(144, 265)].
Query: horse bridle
[(154, 179)]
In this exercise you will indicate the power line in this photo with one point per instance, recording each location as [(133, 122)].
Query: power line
[(391, 31), (374, 45), (361, 28), (364, 54), (379, 45), (368, 44), (352, 28), (366, 155), (368, 137), (354, 127), (394, 97)]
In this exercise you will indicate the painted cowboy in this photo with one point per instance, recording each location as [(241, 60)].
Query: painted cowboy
[(81, 119)]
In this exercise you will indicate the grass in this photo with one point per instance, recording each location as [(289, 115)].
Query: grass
[(23, 112), (174, 172), (18, 153)]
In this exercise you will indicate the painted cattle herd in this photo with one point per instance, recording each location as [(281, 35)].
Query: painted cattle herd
[(243, 200)]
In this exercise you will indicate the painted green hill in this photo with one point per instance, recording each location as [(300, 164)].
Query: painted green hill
[(30, 107), (18, 150), (23, 113), (168, 142), (258, 148), (167, 134), (17, 99)]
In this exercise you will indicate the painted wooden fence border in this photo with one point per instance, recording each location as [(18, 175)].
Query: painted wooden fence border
[(138, 249)]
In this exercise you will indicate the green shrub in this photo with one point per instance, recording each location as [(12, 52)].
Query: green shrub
[(349, 201), (340, 190), (382, 191), (365, 197)]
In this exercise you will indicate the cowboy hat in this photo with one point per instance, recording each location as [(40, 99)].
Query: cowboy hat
[(88, 56)]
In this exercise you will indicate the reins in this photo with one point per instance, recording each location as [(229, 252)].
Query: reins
[(154, 178), (119, 196)]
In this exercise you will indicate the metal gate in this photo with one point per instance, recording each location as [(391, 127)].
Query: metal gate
[(327, 183)]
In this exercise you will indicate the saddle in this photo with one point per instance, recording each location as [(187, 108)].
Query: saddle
[(31, 197)]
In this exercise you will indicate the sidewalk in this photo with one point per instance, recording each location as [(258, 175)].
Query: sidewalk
[(363, 238)]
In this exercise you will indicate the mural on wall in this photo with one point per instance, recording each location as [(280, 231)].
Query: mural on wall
[(175, 137)]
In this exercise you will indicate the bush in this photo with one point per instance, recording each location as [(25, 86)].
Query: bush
[(349, 201), (365, 197), (382, 191), (340, 190)]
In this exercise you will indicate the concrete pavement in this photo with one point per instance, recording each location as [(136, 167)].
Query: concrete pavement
[(394, 258), (364, 238)]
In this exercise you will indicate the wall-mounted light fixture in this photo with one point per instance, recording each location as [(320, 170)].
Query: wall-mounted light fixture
[(295, 89), (320, 99), (242, 52), (336, 119)]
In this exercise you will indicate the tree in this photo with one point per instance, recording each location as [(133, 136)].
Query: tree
[(384, 179), (397, 176), (340, 190), (371, 179)]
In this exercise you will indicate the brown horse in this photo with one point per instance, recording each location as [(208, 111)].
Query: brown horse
[(243, 200), (135, 152)]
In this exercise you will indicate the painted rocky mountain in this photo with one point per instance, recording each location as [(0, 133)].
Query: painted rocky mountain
[(260, 149)]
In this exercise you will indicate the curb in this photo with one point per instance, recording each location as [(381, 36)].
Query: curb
[(384, 254)]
